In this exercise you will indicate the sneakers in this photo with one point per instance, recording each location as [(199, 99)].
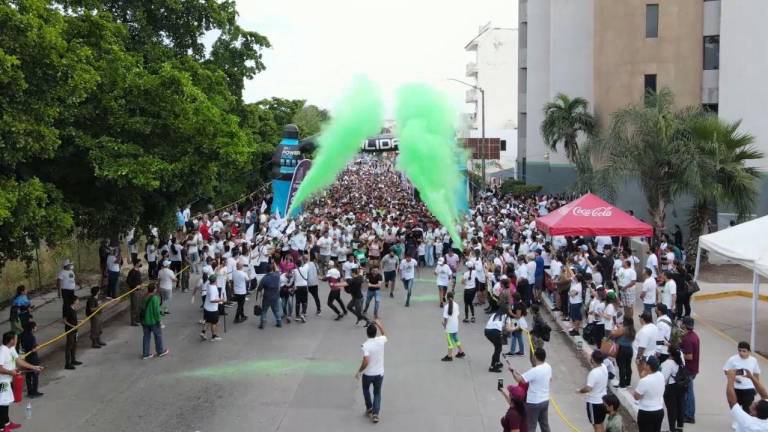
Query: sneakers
[(369, 413), (216, 338), (164, 353), (302, 318), (465, 320), (338, 318), (318, 313), (12, 426), (76, 363), (69, 367), (472, 319), (447, 358), (461, 355), (146, 357), (375, 418), (496, 369), (203, 336)]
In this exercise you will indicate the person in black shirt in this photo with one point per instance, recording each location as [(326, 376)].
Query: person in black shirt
[(28, 346), (355, 289), (134, 280), (91, 305), (70, 322), (374, 292)]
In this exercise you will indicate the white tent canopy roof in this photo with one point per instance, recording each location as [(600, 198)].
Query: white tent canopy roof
[(745, 244)]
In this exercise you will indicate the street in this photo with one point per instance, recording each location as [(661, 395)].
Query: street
[(296, 378)]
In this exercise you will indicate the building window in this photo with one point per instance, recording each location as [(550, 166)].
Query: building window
[(710, 108), (711, 52), (503, 145), (650, 83), (651, 20)]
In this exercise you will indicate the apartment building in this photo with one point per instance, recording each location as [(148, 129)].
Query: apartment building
[(494, 69), (711, 53)]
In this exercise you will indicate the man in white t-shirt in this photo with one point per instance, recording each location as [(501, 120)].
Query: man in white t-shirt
[(166, 278), (537, 399), (744, 362), (407, 269), (596, 388), (646, 338), (668, 294), (648, 293), (240, 281), (755, 417), (372, 368)]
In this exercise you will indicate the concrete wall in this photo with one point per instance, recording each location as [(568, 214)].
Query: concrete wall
[(623, 55)]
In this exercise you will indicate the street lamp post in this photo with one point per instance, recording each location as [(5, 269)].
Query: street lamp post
[(482, 113)]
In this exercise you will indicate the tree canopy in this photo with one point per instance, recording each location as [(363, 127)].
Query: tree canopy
[(114, 112)]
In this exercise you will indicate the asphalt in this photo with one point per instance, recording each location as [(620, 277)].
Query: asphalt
[(297, 378)]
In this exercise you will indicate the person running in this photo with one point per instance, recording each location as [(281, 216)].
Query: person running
[(300, 282), (596, 388), (443, 272), (355, 289), (372, 368), (333, 277), (407, 270), (374, 291), (469, 292), (313, 281), (451, 327), (389, 265)]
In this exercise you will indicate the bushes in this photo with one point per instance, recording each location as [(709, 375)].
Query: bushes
[(519, 187)]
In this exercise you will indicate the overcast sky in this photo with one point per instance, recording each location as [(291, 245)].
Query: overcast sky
[(317, 46)]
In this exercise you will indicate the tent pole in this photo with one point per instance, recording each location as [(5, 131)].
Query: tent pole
[(698, 263), (755, 298)]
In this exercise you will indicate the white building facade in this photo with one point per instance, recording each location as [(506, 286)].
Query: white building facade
[(494, 69)]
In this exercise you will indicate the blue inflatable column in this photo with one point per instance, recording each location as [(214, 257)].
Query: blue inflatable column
[(284, 160)]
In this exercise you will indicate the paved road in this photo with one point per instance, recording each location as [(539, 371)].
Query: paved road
[(297, 378)]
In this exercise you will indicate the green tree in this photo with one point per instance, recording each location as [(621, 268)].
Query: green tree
[(651, 143), (721, 153), (310, 120), (564, 119)]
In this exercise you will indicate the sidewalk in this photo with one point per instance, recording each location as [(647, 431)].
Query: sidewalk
[(716, 348)]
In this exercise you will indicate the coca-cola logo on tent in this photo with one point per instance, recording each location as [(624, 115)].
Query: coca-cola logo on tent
[(593, 212)]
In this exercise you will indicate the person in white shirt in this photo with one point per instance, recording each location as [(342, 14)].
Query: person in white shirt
[(627, 278), (451, 326), (349, 265), (648, 294), (151, 256), (469, 279), (652, 263), (668, 294), (574, 305), (663, 331), (372, 368), (646, 338), (114, 261), (744, 362), (324, 243), (443, 273), (407, 269), (240, 288), (66, 282), (673, 394), (166, 278), (596, 388), (755, 418), (650, 394), (211, 309), (537, 399), (9, 361)]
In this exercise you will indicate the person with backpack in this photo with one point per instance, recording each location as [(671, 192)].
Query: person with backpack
[(150, 323), (664, 334), (676, 382)]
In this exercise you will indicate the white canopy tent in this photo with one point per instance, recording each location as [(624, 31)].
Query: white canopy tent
[(742, 244)]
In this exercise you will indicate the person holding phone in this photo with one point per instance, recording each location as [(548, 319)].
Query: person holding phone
[(756, 417), (741, 363), (515, 419)]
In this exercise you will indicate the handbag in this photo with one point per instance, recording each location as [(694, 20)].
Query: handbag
[(257, 310), (693, 287)]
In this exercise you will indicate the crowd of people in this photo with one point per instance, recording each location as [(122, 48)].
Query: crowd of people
[(368, 236)]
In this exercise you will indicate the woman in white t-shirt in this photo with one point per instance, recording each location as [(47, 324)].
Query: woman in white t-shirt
[(498, 324), (9, 361), (610, 313), (469, 291), (451, 326), (673, 395)]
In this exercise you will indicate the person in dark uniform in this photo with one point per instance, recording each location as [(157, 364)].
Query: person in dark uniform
[(134, 280), (91, 305), (70, 322), (28, 346)]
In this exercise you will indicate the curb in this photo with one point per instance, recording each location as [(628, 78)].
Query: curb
[(727, 294), (625, 397)]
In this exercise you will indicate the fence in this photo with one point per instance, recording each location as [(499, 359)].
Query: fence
[(41, 273)]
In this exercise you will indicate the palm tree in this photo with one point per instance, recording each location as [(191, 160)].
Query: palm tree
[(651, 143), (724, 179), (564, 118)]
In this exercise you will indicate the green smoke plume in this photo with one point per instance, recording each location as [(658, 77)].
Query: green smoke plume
[(359, 115), (426, 130)]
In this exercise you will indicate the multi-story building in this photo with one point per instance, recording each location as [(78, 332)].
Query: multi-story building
[(712, 53), (494, 69)]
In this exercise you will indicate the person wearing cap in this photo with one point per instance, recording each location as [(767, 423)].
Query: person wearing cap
[(646, 338), (689, 346), (755, 417), (595, 388), (649, 392), (515, 418), (166, 278), (443, 273), (211, 311), (664, 331), (66, 282)]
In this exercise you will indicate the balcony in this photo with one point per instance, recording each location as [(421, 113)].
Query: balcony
[(472, 96), (472, 69)]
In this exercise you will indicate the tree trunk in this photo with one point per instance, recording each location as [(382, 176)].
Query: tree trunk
[(697, 224), (658, 213)]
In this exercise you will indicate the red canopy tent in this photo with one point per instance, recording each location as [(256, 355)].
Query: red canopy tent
[(591, 216)]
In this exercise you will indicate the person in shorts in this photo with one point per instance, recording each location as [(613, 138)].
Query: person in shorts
[(211, 311), (595, 389)]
